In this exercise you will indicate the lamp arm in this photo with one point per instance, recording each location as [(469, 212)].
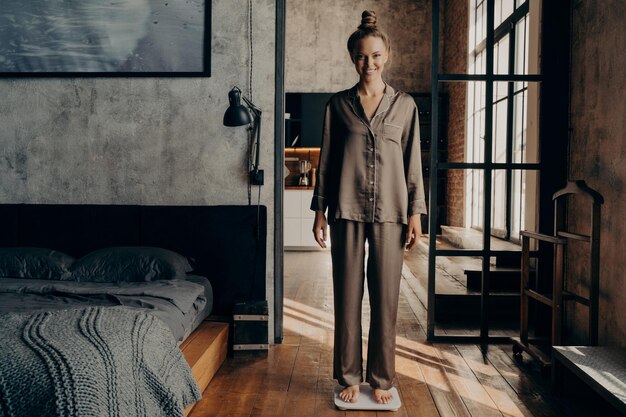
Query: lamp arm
[(257, 126), (258, 142), (253, 108)]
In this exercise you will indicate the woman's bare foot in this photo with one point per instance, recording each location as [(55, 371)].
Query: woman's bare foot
[(350, 394), (382, 396)]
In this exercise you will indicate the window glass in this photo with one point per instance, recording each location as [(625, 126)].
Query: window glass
[(497, 9), (501, 56), (509, 136), (518, 197), (521, 51), (498, 202), (475, 121), (499, 131), (507, 7), (481, 17), (474, 197)]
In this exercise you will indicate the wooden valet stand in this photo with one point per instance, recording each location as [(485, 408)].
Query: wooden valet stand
[(560, 239)]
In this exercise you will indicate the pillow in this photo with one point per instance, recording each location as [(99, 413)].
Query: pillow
[(130, 264), (35, 263)]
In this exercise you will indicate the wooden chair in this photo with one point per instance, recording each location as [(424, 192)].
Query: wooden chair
[(559, 294)]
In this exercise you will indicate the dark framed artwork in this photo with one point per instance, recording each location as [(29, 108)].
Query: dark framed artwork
[(105, 38)]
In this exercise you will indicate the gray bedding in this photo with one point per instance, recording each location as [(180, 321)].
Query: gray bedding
[(93, 361), (180, 304)]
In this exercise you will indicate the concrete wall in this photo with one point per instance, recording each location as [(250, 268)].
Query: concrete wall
[(317, 31), (144, 140), (597, 155)]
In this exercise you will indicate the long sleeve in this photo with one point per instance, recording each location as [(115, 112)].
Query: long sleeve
[(413, 164), (321, 192)]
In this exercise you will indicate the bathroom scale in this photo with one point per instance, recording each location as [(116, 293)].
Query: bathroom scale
[(366, 400)]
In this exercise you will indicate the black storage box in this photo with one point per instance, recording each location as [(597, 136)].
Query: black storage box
[(250, 326)]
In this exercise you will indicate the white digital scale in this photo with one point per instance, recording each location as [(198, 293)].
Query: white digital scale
[(366, 400)]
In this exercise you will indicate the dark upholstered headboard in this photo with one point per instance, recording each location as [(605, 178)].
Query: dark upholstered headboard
[(221, 239)]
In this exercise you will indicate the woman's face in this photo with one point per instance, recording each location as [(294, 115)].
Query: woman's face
[(370, 56)]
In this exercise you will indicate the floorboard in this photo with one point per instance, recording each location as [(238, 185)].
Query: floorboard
[(433, 380)]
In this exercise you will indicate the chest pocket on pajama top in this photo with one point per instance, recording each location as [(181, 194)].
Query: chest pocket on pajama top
[(392, 132)]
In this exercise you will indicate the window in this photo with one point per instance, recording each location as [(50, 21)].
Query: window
[(500, 160), (510, 116)]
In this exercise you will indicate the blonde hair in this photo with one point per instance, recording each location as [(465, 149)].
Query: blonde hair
[(368, 27)]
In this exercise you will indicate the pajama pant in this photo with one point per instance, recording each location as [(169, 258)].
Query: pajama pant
[(384, 269)]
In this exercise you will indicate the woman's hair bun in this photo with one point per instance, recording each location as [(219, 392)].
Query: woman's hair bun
[(368, 27), (368, 20)]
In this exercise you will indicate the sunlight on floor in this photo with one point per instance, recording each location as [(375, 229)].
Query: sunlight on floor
[(415, 360)]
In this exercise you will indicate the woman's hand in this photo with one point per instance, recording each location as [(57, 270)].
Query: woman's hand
[(319, 228), (414, 231)]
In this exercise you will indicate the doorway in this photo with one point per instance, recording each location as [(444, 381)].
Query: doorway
[(312, 64), (482, 183)]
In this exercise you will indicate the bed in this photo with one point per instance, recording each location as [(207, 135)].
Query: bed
[(66, 322), (181, 304)]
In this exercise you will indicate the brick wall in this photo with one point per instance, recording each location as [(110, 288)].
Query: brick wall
[(455, 61)]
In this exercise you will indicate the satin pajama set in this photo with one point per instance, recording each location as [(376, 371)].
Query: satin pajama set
[(369, 178)]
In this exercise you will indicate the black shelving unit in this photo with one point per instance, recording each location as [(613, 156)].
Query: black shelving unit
[(306, 118), (293, 124), (424, 106)]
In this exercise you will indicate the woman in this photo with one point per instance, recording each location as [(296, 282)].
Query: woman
[(370, 179)]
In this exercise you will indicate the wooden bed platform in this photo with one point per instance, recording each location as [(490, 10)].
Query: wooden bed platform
[(205, 350)]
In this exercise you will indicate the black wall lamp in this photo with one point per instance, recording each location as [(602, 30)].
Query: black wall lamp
[(238, 115)]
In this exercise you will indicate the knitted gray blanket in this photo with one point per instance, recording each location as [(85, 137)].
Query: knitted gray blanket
[(99, 361)]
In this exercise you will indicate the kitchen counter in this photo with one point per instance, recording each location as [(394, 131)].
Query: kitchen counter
[(298, 187)]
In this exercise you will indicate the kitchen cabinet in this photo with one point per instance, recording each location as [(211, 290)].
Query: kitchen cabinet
[(298, 220)]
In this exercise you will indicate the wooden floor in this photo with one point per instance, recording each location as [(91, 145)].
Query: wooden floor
[(295, 379)]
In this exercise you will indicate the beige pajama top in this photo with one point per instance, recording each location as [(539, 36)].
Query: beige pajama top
[(370, 170)]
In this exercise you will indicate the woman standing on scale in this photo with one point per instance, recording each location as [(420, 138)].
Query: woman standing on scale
[(370, 179)]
